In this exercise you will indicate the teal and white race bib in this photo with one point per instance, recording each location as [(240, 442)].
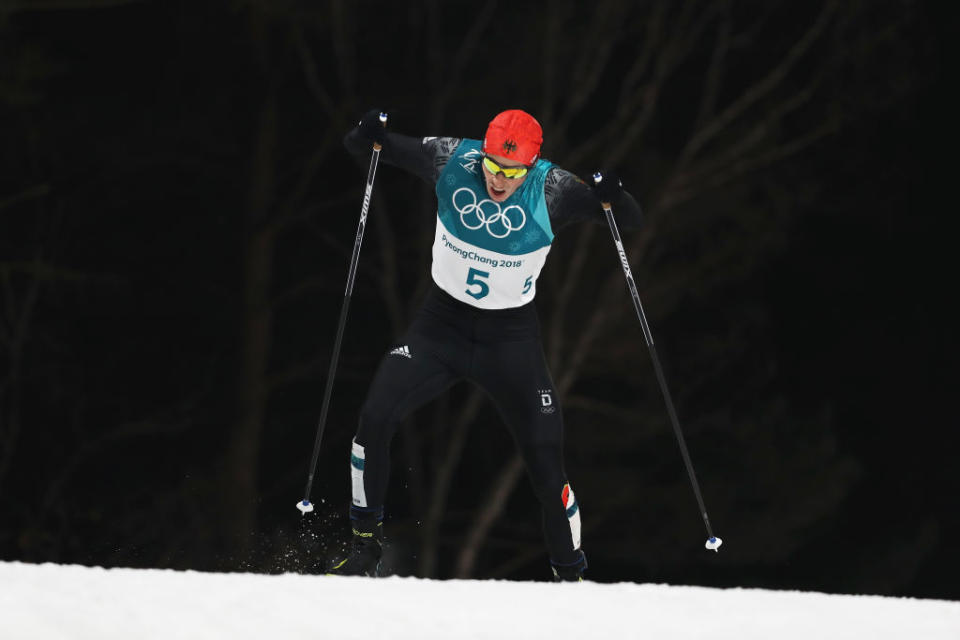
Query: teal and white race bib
[(486, 253)]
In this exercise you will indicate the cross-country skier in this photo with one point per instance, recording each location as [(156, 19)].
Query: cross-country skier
[(498, 207)]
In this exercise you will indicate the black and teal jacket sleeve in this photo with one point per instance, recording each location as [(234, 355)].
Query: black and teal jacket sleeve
[(423, 157)]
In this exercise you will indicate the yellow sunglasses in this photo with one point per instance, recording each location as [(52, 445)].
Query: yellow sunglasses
[(511, 173)]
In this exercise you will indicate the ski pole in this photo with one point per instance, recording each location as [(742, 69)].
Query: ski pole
[(713, 542), (305, 506)]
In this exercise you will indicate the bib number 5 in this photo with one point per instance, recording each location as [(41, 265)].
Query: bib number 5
[(474, 280)]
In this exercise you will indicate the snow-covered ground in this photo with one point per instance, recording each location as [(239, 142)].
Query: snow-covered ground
[(55, 601)]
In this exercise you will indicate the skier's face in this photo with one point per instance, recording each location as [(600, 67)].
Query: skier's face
[(499, 187)]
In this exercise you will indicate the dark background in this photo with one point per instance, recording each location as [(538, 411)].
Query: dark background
[(176, 219)]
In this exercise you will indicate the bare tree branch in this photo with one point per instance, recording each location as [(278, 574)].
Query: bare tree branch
[(763, 160), (759, 90), (615, 412), (626, 131), (30, 193), (599, 40), (309, 66), (466, 51), (712, 78), (14, 339), (443, 481), (344, 51), (751, 152), (388, 277), (651, 46), (498, 495), (72, 5), (548, 72), (567, 292)]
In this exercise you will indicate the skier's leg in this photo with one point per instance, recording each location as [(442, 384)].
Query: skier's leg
[(516, 376), (408, 377), (410, 374)]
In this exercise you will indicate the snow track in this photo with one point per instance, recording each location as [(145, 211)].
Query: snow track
[(50, 602)]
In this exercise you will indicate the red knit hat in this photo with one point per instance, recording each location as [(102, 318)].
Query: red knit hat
[(514, 134)]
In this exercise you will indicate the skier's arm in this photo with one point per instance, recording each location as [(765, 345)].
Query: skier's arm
[(423, 157), (570, 199)]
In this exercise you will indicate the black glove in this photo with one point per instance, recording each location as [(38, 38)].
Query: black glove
[(372, 128), (609, 188)]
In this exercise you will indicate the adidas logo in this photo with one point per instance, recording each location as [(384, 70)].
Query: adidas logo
[(402, 351)]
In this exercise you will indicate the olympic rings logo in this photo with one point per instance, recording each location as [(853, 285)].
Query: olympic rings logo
[(499, 223)]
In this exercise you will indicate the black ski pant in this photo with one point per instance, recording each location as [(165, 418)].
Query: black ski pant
[(499, 350)]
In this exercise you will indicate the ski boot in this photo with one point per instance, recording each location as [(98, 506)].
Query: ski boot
[(569, 572), (366, 547)]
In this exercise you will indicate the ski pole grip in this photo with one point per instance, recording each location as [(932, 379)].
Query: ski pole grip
[(597, 179), (383, 121)]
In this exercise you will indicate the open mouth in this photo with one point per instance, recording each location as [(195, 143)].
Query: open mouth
[(497, 193)]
